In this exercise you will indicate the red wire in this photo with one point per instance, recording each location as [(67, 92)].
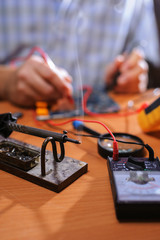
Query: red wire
[(84, 103), (34, 49), (82, 120), (93, 114), (115, 145), (85, 87)]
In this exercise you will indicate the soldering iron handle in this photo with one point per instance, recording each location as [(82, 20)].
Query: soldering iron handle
[(36, 132)]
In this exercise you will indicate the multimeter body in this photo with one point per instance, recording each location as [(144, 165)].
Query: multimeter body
[(135, 184), (149, 118)]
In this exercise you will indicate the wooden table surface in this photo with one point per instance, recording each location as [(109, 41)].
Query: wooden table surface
[(85, 209)]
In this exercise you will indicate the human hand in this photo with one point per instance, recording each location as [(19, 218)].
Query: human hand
[(133, 71), (36, 81)]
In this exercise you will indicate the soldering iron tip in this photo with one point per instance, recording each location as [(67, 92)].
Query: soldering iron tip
[(72, 140)]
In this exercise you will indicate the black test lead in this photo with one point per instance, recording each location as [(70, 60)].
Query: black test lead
[(105, 145), (78, 125)]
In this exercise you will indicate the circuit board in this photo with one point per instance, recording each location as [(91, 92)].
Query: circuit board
[(98, 102)]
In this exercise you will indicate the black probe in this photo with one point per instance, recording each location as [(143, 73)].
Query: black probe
[(78, 125)]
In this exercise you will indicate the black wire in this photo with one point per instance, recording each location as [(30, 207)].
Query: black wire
[(149, 149), (101, 137)]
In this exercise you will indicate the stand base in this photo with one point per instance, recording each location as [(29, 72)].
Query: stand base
[(59, 175)]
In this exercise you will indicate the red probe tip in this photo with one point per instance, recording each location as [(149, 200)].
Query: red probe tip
[(115, 151)]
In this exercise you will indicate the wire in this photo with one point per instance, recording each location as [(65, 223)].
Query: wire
[(88, 89), (84, 103), (33, 50), (149, 148), (115, 145), (45, 57), (87, 94), (99, 137), (82, 120)]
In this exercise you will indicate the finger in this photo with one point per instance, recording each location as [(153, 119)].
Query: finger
[(60, 81), (113, 68), (143, 65), (66, 75), (127, 87), (46, 71), (132, 87), (143, 82), (61, 84), (39, 84), (53, 77), (132, 59), (134, 80), (43, 70), (56, 77), (70, 88), (30, 78), (133, 73), (120, 89), (27, 95)]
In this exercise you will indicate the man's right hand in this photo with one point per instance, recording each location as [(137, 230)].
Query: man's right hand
[(36, 81)]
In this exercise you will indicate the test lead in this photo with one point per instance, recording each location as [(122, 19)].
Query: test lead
[(78, 125)]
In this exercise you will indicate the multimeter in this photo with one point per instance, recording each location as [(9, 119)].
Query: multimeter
[(149, 118)]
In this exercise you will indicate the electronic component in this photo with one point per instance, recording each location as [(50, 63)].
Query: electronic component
[(42, 108), (149, 118), (18, 156), (135, 184), (100, 102)]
